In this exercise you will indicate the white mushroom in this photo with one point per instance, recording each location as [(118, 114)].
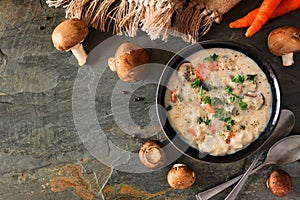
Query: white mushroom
[(69, 35), (284, 41), (152, 155), (185, 71), (254, 100), (181, 177)]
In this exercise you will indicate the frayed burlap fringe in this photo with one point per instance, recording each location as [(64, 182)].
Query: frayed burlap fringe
[(188, 19)]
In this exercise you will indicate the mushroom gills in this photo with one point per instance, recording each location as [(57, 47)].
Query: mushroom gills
[(284, 41), (152, 155), (254, 100), (186, 72)]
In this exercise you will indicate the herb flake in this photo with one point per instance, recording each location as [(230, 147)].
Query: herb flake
[(243, 127), (196, 83), (169, 107), (212, 57), (207, 100), (251, 77), (229, 121), (179, 97), (199, 120), (201, 91), (243, 105), (238, 78)]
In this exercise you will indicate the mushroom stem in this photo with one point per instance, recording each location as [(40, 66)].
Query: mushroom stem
[(111, 64), (79, 53), (287, 59)]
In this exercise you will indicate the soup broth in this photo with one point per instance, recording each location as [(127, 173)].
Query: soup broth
[(219, 101)]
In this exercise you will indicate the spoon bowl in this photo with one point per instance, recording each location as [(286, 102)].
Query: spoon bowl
[(286, 150)]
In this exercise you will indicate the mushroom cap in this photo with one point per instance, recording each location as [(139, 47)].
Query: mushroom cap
[(128, 57), (284, 40), (152, 155), (279, 183), (181, 177), (69, 33)]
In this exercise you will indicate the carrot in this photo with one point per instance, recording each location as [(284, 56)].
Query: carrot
[(263, 15), (284, 7), (244, 21), (231, 134), (210, 109), (193, 131), (213, 66), (199, 71), (173, 96)]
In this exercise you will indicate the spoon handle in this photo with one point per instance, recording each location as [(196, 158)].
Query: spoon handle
[(207, 194), (234, 192)]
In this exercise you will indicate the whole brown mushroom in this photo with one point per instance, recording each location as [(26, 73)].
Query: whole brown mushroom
[(181, 177), (127, 62), (152, 155), (279, 183), (69, 35), (284, 41)]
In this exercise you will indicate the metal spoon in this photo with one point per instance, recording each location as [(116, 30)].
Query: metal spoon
[(285, 125)]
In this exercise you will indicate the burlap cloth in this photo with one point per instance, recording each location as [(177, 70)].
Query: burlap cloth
[(189, 19)]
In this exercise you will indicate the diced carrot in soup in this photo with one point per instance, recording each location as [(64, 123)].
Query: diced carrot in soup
[(213, 66), (199, 71), (210, 109), (192, 131), (173, 96)]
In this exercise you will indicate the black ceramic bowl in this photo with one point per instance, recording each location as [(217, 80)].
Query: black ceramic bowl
[(177, 140)]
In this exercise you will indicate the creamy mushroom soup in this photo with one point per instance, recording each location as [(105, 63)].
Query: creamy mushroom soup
[(219, 101)]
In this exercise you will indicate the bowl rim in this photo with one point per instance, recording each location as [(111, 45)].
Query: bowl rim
[(178, 59)]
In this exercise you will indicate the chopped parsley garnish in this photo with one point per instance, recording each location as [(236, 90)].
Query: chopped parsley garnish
[(238, 78), (212, 58), (206, 121), (228, 128), (220, 113), (169, 108), (243, 105), (207, 100), (199, 120), (201, 91), (215, 102), (190, 99), (228, 89), (251, 77), (229, 121), (196, 83), (232, 99), (179, 97), (243, 127), (220, 133)]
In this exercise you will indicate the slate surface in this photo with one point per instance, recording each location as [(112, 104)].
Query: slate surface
[(42, 153)]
